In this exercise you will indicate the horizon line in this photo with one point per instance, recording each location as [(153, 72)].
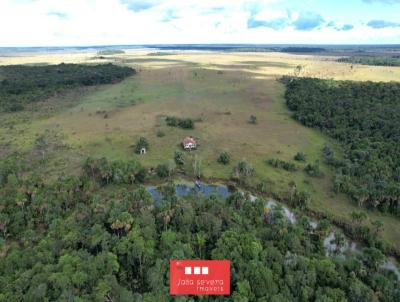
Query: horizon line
[(205, 44)]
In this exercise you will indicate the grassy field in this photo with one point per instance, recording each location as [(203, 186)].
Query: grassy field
[(218, 90)]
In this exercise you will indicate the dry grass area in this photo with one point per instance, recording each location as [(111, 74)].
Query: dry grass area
[(218, 90), (263, 64)]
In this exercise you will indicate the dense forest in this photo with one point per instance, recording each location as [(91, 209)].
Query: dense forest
[(372, 60), (365, 118), (100, 237), (22, 84)]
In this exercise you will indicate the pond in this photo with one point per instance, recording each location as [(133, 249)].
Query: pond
[(183, 190)]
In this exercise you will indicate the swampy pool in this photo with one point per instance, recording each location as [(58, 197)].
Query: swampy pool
[(183, 190)]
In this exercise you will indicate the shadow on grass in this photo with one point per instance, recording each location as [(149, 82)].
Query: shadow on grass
[(268, 64)]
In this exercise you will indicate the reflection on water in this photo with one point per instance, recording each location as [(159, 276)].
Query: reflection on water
[(288, 214), (155, 194), (351, 247), (389, 265), (183, 190), (331, 247)]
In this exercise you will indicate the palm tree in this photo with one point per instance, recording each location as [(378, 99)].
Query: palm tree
[(339, 241), (124, 221), (166, 216), (201, 240), (358, 217)]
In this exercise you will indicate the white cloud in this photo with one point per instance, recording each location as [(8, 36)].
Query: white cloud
[(270, 14), (295, 16), (99, 22)]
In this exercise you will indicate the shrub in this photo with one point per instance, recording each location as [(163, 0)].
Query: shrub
[(179, 158), (253, 119), (262, 187), (313, 170), (172, 121), (160, 133), (162, 171), (140, 144), (300, 156), (328, 154), (243, 171), (245, 168), (300, 199), (224, 158), (185, 123), (277, 163)]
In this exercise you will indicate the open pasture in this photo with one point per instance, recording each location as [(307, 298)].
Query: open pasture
[(219, 91)]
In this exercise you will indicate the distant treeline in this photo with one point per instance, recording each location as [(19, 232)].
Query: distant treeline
[(279, 49), (365, 118), (110, 52), (374, 61), (252, 49), (302, 49), (244, 48), (160, 53), (23, 84)]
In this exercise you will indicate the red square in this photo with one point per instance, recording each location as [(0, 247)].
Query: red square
[(199, 277)]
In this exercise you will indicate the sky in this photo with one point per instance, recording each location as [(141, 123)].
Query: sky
[(125, 22)]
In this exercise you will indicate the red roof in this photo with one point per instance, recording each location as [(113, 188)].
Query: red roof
[(189, 140)]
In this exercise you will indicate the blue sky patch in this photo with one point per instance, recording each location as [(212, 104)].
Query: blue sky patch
[(308, 21), (278, 23), (382, 24), (139, 5), (345, 27)]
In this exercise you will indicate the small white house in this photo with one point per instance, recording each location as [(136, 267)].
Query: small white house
[(189, 143)]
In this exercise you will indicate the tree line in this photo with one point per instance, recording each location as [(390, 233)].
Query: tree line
[(365, 118), (372, 60), (23, 84)]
